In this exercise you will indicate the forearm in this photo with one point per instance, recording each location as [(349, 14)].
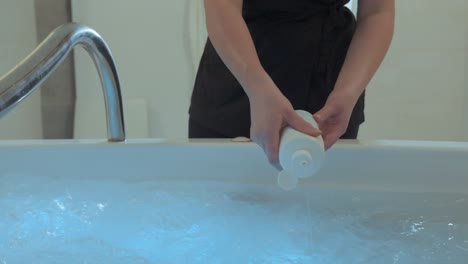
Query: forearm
[(231, 38), (368, 48)]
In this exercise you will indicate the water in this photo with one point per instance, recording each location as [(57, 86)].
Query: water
[(78, 221)]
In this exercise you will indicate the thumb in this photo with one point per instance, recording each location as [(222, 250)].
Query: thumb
[(296, 122), (322, 115)]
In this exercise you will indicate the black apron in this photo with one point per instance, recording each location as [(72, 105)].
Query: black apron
[(301, 44)]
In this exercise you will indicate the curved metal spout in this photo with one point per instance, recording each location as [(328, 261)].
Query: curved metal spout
[(22, 80)]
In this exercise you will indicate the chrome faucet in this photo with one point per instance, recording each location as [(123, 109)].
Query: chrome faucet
[(23, 79)]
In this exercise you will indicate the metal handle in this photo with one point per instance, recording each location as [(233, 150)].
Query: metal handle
[(23, 79)]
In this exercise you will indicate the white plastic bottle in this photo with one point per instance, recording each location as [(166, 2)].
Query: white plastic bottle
[(300, 155)]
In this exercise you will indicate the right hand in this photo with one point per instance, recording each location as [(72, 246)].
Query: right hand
[(270, 113)]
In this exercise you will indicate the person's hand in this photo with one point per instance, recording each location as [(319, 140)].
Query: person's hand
[(334, 117), (271, 112)]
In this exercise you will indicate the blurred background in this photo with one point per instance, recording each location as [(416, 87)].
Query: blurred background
[(420, 92)]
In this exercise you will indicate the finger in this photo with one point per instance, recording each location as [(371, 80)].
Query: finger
[(257, 140), (322, 115), (272, 150), (261, 144), (296, 122), (330, 139), (270, 147)]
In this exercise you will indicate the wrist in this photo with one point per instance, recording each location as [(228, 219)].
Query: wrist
[(345, 97), (257, 83)]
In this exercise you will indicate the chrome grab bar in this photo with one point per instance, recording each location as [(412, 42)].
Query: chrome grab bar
[(23, 79)]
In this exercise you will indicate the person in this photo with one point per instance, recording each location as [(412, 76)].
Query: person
[(265, 58)]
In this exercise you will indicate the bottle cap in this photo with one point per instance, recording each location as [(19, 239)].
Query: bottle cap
[(286, 180)]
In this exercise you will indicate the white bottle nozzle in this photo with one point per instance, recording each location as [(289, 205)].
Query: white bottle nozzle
[(287, 181), (303, 164), (301, 159)]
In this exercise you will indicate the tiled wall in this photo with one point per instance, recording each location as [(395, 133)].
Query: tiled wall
[(58, 91), (18, 39), (419, 91)]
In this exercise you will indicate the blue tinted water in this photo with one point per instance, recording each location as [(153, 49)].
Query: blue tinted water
[(77, 221)]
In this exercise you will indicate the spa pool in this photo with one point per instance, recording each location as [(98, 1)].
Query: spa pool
[(215, 201)]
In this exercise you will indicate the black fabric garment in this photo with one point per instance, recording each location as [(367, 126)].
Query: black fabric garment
[(196, 130), (301, 44)]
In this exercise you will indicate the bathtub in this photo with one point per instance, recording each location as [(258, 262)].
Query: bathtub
[(217, 201)]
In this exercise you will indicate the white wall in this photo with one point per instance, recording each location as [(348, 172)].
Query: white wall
[(149, 42), (419, 91), (417, 94), (18, 31)]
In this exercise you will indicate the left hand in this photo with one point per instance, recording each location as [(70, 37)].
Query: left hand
[(334, 117)]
